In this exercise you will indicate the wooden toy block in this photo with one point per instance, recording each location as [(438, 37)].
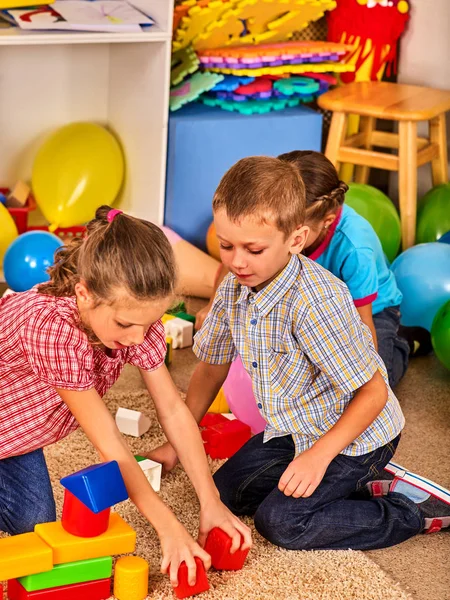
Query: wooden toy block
[(24, 554), (80, 520), (120, 538), (98, 487), (131, 578), (132, 422), (152, 470), (218, 544), (184, 590), (169, 348), (225, 439), (18, 196), (68, 574), (92, 590), (181, 332)]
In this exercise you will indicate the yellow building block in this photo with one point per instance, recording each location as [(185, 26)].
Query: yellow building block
[(169, 354), (24, 554), (119, 538), (131, 578), (220, 404), (166, 318)]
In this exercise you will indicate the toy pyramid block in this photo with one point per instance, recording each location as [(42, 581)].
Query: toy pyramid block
[(184, 590), (180, 331), (152, 470), (218, 544), (78, 519), (98, 487), (92, 590), (220, 404), (24, 554), (132, 422), (225, 439), (69, 573), (120, 538), (131, 578)]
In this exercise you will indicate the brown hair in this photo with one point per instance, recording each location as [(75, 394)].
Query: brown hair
[(266, 187), (125, 253), (325, 192)]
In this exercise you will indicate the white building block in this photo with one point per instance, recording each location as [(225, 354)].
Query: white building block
[(152, 470), (181, 332), (132, 422)]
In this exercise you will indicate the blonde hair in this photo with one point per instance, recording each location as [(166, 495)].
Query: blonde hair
[(127, 253), (264, 187)]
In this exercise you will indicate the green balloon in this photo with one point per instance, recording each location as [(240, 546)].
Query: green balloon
[(433, 215), (379, 210), (440, 334)]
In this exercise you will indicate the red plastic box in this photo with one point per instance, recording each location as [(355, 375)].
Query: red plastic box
[(225, 439), (184, 590), (20, 215), (218, 544), (90, 590)]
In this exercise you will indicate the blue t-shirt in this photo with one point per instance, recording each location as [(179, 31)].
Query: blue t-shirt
[(353, 252)]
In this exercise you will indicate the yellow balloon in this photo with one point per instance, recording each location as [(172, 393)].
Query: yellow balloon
[(79, 168), (8, 231)]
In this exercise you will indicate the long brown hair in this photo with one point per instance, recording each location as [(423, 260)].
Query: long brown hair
[(127, 253), (325, 192)]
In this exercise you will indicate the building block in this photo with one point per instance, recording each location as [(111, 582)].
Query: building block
[(204, 142), (69, 573), (152, 470), (120, 538), (181, 332), (184, 590), (132, 422), (185, 316), (225, 439), (220, 404), (166, 317), (131, 578), (211, 419), (80, 520), (24, 554), (98, 487), (218, 544), (91, 590)]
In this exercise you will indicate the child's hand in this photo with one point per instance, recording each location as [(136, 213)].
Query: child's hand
[(178, 546), (216, 514), (304, 474), (165, 455)]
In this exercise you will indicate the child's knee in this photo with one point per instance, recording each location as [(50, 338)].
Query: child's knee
[(274, 524), (30, 515)]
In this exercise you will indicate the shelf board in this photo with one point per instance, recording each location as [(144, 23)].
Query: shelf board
[(20, 37)]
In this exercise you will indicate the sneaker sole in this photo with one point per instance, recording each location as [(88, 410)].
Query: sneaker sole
[(418, 481)]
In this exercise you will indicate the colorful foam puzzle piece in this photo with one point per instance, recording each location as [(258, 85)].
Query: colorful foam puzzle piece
[(260, 84), (296, 85), (131, 578), (198, 84), (225, 439), (132, 422), (92, 590), (98, 487), (195, 22), (184, 62), (251, 106), (80, 520), (184, 590), (218, 545), (24, 554), (69, 573), (325, 67), (119, 538), (231, 82), (292, 48)]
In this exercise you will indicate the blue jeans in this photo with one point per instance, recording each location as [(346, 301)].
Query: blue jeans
[(338, 515), (393, 349), (26, 496)]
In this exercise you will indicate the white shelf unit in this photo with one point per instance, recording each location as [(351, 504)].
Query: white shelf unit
[(120, 80)]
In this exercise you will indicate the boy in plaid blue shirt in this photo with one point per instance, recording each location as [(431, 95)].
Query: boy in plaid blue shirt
[(333, 423)]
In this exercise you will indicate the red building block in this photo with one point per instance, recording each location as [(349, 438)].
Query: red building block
[(184, 590), (224, 439), (218, 544), (79, 520), (212, 419), (90, 590)]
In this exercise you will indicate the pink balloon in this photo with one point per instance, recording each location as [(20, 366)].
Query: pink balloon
[(240, 398)]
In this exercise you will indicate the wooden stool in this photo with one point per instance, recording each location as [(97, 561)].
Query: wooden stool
[(406, 104)]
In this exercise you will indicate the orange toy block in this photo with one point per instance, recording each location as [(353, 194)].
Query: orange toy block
[(119, 538), (24, 554)]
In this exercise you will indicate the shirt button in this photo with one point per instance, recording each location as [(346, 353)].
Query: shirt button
[(253, 321), (259, 405), (254, 364)]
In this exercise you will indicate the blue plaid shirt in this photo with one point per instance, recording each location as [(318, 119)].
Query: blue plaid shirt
[(306, 350)]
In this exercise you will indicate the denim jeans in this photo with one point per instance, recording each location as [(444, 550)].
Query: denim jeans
[(26, 496), (393, 349), (338, 515)]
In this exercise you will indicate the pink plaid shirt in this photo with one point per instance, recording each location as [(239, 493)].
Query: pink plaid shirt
[(42, 348)]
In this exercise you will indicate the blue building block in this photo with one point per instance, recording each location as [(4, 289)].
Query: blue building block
[(204, 142), (98, 487)]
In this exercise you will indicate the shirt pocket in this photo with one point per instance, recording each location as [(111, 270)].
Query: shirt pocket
[(288, 371)]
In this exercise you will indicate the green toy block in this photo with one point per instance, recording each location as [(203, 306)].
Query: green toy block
[(68, 573), (185, 316), (180, 307), (139, 458)]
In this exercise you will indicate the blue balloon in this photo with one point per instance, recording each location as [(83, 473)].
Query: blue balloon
[(445, 239), (423, 276), (27, 259)]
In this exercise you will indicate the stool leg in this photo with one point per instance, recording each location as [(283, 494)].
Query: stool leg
[(336, 137), (408, 181), (438, 135), (367, 126)]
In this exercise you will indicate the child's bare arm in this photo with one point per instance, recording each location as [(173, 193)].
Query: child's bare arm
[(365, 312), (203, 313)]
